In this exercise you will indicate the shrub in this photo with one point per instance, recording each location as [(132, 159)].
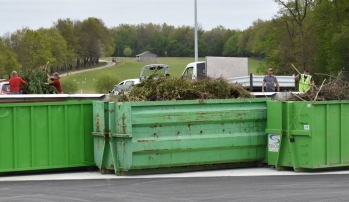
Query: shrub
[(69, 86), (106, 82), (127, 51)]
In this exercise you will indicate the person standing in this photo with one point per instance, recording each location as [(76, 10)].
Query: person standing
[(55, 82), (269, 82), (305, 81), (15, 83)]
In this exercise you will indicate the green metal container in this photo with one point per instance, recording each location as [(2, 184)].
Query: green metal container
[(308, 135), (143, 135), (46, 135)]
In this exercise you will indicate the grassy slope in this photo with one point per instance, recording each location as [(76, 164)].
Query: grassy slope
[(253, 65), (131, 68)]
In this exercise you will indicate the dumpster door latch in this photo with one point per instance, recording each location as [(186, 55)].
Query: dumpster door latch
[(292, 139)]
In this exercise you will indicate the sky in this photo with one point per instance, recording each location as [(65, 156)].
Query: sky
[(232, 14)]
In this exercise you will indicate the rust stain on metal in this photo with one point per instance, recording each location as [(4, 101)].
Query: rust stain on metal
[(155, 125), (189, 125), (106, 134), (112, 111), (98, 144), (178, 133), (124, 145), (112, 166), (156, 135), (202, 102), (97, 123), (120, 172), (145, 140), (123, 123)]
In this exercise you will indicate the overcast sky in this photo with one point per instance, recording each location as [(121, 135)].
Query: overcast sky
[(232, 14)]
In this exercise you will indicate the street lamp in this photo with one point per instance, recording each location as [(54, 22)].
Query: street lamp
[(196, 32)]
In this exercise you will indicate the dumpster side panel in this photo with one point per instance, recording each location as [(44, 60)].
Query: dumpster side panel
[(274, 130), (7, 138), (180, 133), (87, 112), (316, 134), (319, 137), (45, 135)]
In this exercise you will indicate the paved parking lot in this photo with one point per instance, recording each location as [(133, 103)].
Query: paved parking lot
[(253, 184)]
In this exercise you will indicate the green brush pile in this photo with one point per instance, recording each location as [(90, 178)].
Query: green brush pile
[(164, 88), (35, 79)]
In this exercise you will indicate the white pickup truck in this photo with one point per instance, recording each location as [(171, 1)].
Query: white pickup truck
[(215, 67), (235, 70), (146, 70)]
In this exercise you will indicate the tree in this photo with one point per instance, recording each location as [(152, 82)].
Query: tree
[(8, 60), (33, 48), (332, 33), (95, 40), (298, 10), (231, 46), (67, 30), (61, 57), (127, 51)]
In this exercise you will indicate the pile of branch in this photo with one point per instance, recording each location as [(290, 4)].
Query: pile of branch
[(161, 88), (35, 79), (336, 89)]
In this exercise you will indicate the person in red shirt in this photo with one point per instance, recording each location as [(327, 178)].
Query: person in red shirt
[(15, 83), (55, 82)]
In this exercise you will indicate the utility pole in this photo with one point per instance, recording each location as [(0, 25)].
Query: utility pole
[(196, 31)]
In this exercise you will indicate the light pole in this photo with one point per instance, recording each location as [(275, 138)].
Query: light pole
[(196, 32)]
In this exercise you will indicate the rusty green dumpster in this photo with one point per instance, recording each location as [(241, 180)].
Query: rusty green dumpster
[(133, 136), (308, 135), (45, 135)]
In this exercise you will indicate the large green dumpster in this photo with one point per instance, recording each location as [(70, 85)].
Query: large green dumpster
[(45, 135), (308, 135), (132, 136)]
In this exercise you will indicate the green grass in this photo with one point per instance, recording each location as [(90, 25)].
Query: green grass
[(253, 65), (129, 68)]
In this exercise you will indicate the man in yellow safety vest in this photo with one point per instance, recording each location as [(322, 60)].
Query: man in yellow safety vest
[(305, 81)]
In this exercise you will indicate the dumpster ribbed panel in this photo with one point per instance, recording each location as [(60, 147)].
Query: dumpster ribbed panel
[(45, 135), (181, 133)]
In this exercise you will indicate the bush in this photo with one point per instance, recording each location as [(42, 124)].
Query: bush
[(105, 83), (69, 86)]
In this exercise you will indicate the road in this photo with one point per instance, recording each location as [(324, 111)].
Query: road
[(109, 64), (237, 188)]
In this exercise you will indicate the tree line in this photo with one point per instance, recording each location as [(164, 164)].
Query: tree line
[(311, 34)]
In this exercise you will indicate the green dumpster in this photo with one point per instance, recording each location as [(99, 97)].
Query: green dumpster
[(308, 135), (133, 136), (45, 135)]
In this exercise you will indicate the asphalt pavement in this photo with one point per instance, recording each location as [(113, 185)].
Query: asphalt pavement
[(252, 188)]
